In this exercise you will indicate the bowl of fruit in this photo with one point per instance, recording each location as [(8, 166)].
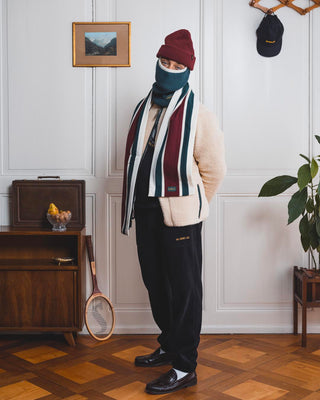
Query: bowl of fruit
[(58, 218)]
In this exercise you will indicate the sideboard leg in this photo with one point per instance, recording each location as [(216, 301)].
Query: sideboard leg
[(70, 339)]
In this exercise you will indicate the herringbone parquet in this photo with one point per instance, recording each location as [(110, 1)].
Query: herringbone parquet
[(245, 367)]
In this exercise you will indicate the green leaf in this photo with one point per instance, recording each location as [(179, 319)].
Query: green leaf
[(304, 176), (305, 157), (304, 226), (314, 238), (305, 241), (318, 138), (314, 168), (318, 189), (277, 185), (309, 205), (297, 204)]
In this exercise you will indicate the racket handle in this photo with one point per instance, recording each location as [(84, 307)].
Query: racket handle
[(89, 248)]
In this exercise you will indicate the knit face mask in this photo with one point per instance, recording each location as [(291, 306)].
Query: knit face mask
[(167, 82)]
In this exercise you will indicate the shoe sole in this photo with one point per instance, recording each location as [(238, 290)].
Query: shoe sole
[(153, 365), (190, 383)]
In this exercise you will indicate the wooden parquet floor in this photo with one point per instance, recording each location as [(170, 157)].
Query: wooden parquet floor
[(246, 367)]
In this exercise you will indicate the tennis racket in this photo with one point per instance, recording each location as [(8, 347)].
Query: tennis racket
[(99, 313)]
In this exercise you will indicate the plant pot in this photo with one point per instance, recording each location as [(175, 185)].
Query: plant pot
[(306, 291), (312, 278)]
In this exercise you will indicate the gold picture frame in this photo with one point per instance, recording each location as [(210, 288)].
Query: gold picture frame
[(101, 44)]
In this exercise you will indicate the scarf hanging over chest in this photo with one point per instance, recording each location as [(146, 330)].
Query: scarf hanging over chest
[(171, 169)]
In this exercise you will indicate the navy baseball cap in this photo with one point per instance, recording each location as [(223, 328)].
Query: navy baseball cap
[(269, 36)]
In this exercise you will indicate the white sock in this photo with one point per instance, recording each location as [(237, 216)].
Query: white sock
[(161, 351), (180, 374)]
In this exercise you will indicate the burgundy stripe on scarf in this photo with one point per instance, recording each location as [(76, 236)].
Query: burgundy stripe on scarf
[(130, 140), (171, 156)]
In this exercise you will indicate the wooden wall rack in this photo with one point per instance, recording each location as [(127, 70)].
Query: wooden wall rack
[(283, 3)]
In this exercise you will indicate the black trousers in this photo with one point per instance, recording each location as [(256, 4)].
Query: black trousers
[(171, 263)]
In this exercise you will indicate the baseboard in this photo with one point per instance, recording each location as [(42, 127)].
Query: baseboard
[(227, 329)]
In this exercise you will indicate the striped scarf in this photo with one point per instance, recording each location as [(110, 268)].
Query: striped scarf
[(171, 168)]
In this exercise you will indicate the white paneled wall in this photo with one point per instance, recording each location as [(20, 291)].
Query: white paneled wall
[(265, 100), (59, 120), (48, 102)]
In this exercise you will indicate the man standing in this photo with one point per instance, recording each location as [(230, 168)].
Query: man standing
[(174, 164)]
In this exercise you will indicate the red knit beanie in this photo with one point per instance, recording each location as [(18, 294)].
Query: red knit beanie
[(178, 47)]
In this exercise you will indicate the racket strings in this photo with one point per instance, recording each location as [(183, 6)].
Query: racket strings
[(99, 316)]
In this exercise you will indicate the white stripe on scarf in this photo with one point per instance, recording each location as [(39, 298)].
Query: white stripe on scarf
[(193, 127)]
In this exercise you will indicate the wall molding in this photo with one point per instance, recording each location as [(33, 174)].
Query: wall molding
[(113, 216), (4, 110), (6, 163), (221, 303), (222, 329)]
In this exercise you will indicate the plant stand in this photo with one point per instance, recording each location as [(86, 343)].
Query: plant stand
[(306, 291)]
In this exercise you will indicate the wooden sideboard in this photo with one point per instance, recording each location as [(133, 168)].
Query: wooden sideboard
[(36, 293)]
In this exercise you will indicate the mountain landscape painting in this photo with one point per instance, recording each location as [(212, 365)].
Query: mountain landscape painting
[(101, 43)]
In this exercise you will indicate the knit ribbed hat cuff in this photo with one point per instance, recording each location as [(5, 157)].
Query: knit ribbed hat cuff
[(176, 54)]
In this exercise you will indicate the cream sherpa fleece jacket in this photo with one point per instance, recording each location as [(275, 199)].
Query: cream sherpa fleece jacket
[(208, 171)]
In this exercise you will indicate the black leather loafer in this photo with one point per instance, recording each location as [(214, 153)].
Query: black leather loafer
[(154, 359), (168, 382)]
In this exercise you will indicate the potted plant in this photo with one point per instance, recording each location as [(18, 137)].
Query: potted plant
[(305, 202)]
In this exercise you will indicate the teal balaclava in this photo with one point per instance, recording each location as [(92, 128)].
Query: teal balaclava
[(167, 82)]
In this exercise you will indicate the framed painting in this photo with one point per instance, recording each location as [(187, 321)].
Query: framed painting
[(101, 44)]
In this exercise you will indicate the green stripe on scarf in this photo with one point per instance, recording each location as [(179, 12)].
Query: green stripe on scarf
[(184, 154)]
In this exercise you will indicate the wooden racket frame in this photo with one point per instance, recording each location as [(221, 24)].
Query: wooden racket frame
[(283, 3), (96, 292)]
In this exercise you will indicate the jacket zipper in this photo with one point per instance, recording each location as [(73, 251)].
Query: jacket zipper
[(200, 200)]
